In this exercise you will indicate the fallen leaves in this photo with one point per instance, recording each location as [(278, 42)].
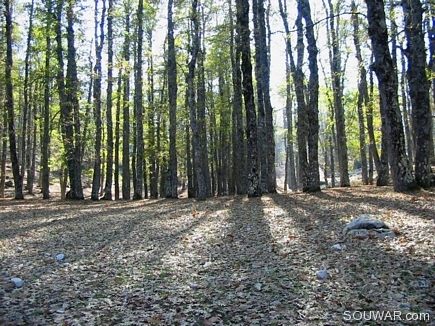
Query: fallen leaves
[(227, 261)]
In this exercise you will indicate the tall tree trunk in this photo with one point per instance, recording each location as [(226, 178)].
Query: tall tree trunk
[(26, 108), (313, 177), (239, 145), (9, 104), (99, 40), (118, 132), (290, 169), (362, 93), (138, 107), (418, 90), (45, 146), (406, 118), (172, 177), (126, 111), (336, 76), (199, 164), (109, 120), (254, 189), (403, 179)]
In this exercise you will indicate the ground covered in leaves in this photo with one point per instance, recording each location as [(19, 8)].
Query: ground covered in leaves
[(226, 261)]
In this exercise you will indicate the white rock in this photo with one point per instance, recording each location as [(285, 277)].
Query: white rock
[(60, 257), (258, 286), (337, 247), (17, 282), (322, 274)]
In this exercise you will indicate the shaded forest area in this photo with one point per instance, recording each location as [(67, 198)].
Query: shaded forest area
[(230, 260), (146, 99)]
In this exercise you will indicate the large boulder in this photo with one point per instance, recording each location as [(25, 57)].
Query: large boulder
[(365, 222)]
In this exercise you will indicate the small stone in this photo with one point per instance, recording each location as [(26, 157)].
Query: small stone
[(20, 249), (60, 257), (337, 247), (17, 282), (47, 255), (322, 274), (258, 286)]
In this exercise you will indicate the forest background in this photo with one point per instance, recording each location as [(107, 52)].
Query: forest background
[(168, 90)]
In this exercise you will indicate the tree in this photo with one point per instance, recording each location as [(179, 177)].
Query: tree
[(138, 107), (109, 120), (171, 177), (337, 92), (254, 189), (418, 90), (312, 176), (45, 146), (403, 179), (99, 41), (126, 108), (9, 103)]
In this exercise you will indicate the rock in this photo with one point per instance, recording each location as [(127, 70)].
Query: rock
[(60, 257), (17, 282), (337, 247), (359, 233), (47, 255), (365, 222), (322, 274)]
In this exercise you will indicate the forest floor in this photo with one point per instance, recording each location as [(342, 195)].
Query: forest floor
[(225, 261)]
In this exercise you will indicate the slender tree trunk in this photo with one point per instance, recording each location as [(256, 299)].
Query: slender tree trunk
[(99, 41), (9, 104), (239, 145), (254, 189), (362, 94), (290, 141), (403, 179), (313, 177), (172, 174), (138, 107), (109, 120), (118, 133), (126, 177), (45, 146), (406, 119)]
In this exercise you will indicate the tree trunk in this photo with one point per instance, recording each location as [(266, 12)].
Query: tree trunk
[(99, 40), (172, 176), (403, 179), (138, 107), (45, 146), (254, 189), (126, 112), (109, 122), (9, 104), (239, 145), (362, 93), (418, 90), (118, 133), (313, 177)]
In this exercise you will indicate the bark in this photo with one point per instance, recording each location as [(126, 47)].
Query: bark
[(406, 118), (418, 90), (362, 93), (109, 120), (118, 133), (26, 108), (99, 40), (383, 66), (199, 164), (126, 176), (312, 176), (254, 189), (45, 146), (336, 75), (239, 145), (290, 156), (172, 178), (9, 104), (138, 107), (152, 123)]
